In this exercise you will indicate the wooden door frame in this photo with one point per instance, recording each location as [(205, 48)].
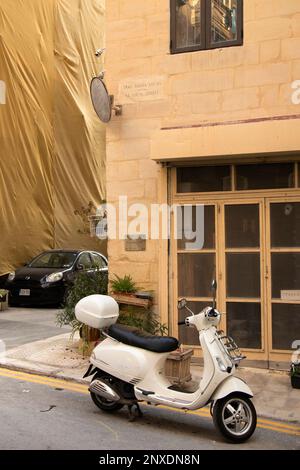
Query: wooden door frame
[(220, 200), (276, 357)]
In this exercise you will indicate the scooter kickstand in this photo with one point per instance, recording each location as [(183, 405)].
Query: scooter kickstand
[(134, 411)]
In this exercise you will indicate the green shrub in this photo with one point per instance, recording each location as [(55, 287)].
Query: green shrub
[(123, 285), (84, 285), (3, 293), (143, 320), (295, 370)]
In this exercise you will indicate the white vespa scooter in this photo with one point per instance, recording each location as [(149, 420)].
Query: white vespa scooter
[(128, 368)]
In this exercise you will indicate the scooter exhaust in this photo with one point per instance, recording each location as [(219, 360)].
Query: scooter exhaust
[(104, 390)]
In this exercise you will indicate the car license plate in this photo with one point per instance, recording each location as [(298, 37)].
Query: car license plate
[(25, 292)]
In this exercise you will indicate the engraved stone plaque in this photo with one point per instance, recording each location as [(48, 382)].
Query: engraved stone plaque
[(133, 90), (134, 243)]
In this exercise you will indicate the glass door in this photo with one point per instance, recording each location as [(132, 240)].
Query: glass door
[(252, 247), (284, 276), (195, 268), (243, 282)]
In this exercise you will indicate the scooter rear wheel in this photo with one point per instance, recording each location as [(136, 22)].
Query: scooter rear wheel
[(103, 403), (235, 417)]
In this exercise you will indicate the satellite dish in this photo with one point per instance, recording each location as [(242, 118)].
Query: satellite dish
[(101, 99)]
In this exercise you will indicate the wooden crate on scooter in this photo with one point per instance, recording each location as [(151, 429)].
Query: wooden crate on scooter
[(178, 366)]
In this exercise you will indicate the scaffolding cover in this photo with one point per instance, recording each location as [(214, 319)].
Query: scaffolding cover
[(52, 145)]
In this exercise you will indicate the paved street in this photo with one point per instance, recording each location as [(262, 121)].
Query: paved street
[(24, 325), (46, 413)]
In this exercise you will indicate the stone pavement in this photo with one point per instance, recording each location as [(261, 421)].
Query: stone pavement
[(60, 357)]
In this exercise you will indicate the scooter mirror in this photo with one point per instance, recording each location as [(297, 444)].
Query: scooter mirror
[(214, 287), (182, 304)]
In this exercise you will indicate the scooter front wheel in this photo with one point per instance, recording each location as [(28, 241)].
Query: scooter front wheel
[(235, 417)]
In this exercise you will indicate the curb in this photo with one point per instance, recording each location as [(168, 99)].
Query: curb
[(40, 373)]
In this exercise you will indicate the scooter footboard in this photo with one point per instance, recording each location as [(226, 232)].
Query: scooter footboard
[(229, 386)]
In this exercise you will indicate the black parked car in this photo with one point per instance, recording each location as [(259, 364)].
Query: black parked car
[(45, 279)]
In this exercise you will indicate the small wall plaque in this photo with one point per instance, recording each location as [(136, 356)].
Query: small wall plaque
[(132, 90), (290, 295), (134, 243)]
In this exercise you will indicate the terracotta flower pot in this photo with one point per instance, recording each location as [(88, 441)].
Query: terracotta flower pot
[(89, 334)]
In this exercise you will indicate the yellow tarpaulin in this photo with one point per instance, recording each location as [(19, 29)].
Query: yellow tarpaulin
[(52, 145)]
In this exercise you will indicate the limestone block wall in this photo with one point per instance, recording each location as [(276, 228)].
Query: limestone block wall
[(251, 83)]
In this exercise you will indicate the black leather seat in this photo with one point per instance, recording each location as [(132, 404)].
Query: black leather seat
[(141, 339)]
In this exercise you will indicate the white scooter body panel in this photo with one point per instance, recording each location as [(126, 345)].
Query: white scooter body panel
[(126, 362), (232, 385)]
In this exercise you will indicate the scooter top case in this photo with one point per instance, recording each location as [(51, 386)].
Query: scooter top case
[(97, 311)]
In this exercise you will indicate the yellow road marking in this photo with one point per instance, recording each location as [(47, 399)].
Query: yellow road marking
[(204, 412), (43, 380), (261, 423), (267, 424), (277, 429)]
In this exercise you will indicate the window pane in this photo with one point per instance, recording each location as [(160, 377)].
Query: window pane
[(286, 325), (195, 274), (98, 261), (85, 261), (244, 324), (209, 228), (203, 179), (285, 225), (243, 275), (275, 176), (190, 335), (242, 226), (285, 273), (188, 23), (224, 20)]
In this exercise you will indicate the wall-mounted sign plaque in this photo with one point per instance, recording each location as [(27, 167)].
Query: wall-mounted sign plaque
[(134, 243), (133, 90), (290, 295)]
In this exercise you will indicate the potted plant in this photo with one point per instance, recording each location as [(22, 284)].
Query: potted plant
[(295, 374), (3, 299), (3, 295), (125, 291), (84, 285), (123, 285)]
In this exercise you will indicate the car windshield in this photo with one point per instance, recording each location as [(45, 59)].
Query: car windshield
[(54, 260)]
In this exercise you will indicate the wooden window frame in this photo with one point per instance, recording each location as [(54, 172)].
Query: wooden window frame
[(206, 43), (234, 191)]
